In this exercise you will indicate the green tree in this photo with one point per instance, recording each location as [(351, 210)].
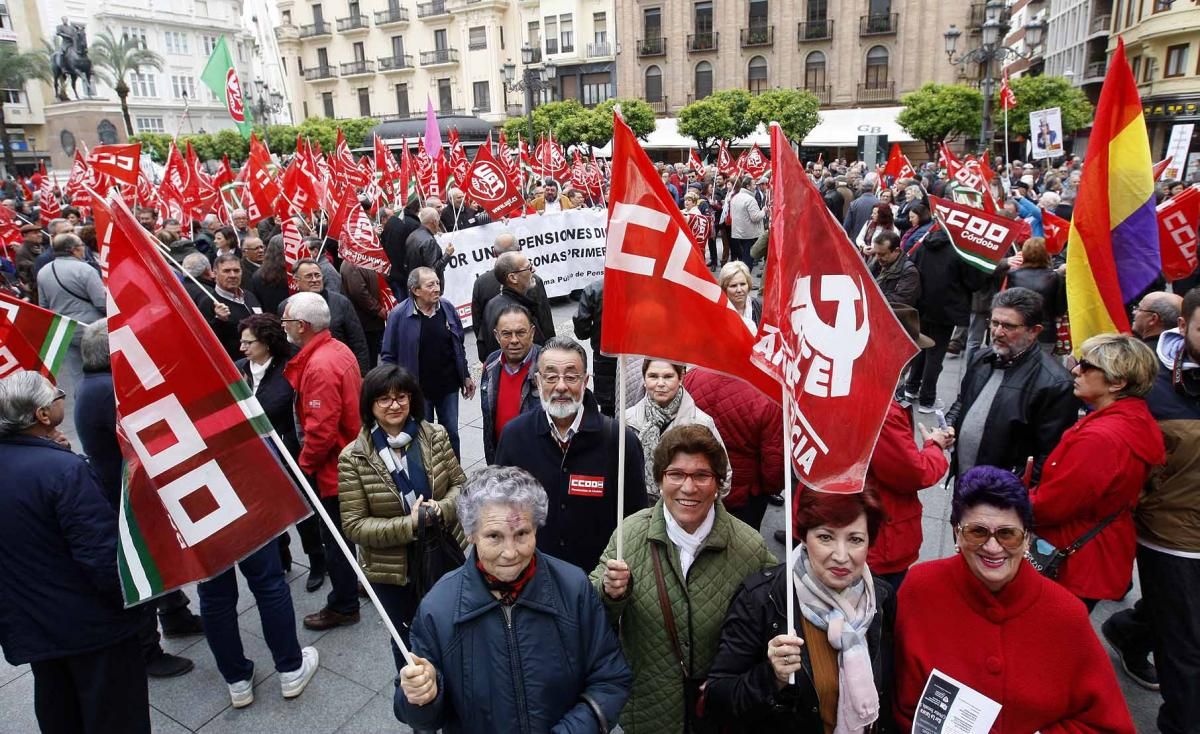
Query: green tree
[(638, 115), (546, 119), (938, 112), (356, 130), (229, 142), (321, 130), (202, 143), (706, 121), (1040, 92), (795, 110), (737, 101), (155, 145), (16, 68), (279, 139), (116, 59)]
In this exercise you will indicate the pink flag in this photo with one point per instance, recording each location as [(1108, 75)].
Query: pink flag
[(433, 135)]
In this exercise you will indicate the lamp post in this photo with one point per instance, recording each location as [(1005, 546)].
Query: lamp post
[(265, 109), (532, 80), (989, 52)]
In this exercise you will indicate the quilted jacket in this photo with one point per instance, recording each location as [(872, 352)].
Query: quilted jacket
[(732, 551), (751, 428), (372, 514)]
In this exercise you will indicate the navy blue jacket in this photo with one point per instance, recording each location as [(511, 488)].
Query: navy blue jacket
[(582, 517), (489, 394), (523, 669), (276, 396), (402, 338), (96, 424), (59, 590)]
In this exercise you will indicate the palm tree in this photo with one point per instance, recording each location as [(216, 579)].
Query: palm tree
[(17, 67), (117, 58)]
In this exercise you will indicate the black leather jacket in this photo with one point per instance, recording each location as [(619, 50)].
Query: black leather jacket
[(741, 694), (1050, 286)]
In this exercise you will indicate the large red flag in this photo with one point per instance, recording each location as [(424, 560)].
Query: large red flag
[(300, 188), (550, 160), (653, 274), (827, 334), (1057, 230), (294, 250), (358, 243), (203, 486), (32, 338), (121, 162), (489, 184), (10, 233), (262, 189), (1178, 220), (979, 237)]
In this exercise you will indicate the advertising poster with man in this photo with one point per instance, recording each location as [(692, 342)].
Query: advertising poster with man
[(1045, 133)]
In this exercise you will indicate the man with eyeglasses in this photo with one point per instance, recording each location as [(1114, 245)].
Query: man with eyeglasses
[(1155, 313), (487, 287), (253, 252), (571, 449), (343, 321), (1015, 400), (508, 386), (517, 281)]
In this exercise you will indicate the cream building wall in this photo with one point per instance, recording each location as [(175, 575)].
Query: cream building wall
[(24, 108)]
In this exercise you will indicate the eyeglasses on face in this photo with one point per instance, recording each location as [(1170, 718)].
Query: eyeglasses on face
[(1005, 326), (311, 276), (291, 321), (59, 394), (248, 342), (522, 270), (676, 477), (571, 379), (386, 401), (1086, 366), (519, 334), (976, 535)]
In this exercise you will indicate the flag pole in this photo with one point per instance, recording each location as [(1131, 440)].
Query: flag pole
[(336, 532), (789, 576), (621, 423)]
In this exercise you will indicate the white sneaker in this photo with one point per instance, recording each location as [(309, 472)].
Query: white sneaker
[(241, 693), (294, 682)]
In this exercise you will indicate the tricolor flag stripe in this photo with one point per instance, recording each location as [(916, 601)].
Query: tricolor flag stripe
[(58, 340), (251, 408), (139, 575)]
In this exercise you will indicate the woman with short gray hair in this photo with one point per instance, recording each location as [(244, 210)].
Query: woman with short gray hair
[(550, 660)]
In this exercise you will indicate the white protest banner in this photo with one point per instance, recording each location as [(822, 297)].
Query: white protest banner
[(566, 249), (1177, 149), (1045, 133)]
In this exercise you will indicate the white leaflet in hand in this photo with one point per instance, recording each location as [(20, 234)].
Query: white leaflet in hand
[(947, 706)]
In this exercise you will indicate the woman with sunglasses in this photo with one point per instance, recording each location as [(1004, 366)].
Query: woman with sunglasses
[(1094, 476), (987, 619), (683, 560)]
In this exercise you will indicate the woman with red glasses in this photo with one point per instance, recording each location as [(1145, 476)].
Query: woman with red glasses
[(988, 620)]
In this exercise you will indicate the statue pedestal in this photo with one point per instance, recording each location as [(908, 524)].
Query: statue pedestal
[(91, 122)]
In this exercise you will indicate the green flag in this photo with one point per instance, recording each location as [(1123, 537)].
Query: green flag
[(221, 77)]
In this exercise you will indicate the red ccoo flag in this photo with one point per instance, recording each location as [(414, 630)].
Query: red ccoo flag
[(827, 334), (121, 162), (1178, 220), (653, 273), (694, 162), (203, 487)]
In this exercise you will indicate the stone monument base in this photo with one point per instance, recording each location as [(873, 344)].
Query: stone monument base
[(90, 122)]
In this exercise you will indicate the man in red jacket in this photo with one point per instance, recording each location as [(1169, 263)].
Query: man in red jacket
[(326, 379)]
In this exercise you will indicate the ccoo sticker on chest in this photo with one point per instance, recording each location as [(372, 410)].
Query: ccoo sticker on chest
[(582, 485)]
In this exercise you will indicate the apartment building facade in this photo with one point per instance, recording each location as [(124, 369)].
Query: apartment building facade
[(24, 107)]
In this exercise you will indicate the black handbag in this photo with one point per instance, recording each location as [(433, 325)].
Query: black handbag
[(1047, 559), (434, 553)]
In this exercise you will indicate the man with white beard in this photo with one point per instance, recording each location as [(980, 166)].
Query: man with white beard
[(571, 449)]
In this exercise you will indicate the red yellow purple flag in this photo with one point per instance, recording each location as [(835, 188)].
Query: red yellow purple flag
[(1112, 251)]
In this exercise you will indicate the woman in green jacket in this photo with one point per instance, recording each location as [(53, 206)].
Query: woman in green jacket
[(398, 466), (684, 560)]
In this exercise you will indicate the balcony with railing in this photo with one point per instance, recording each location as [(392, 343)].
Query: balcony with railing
[(824, 94), (659, 106), (439, 56), (396, 63), (535, 54), (754, 36), (1095, 71), (878, 25), (1101, 24), (317, 73), (603, 48), (353, 24), (877, 92), (432, 9), (358, 68), (815, 30), (316, 29), (652, 47), (391, 16), (703, 42)]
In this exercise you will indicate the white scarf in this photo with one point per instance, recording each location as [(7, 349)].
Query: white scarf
[(689, 543), (846, 617), (256, 373)]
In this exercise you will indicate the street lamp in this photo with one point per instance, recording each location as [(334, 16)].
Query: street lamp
[(265, 109), (532, 80), (989, 52)]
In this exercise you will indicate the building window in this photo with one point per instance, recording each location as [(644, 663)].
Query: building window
[(138, 34), (818, 11), (364, 102), (445, 96), (10, 96), (566, 28), (596, 88), (552, 34), (877, 67), (360, 51), (654, 84), (880, 7), (652, 22), (702, 18), (1148, 70), (756, 76), (305, 106), (402, 100), (1160, 6), (183, 86), (149, 124), (1176, 61), (534, 37), (483, 97), (177, 42), (477, 37), (327, 103), (1136, 66), (704, 79), (758, 14), (143, 85), (441, 41), (287, 17), (300, 66), (814, 71), (398, 48), (599, 28), (210, 44)]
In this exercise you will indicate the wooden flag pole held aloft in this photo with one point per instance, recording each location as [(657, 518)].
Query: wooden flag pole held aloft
[(621, 457), (788, 570)]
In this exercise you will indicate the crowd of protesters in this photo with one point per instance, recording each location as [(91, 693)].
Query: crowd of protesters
[(537, 625)]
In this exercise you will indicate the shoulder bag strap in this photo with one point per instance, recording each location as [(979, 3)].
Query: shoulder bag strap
[(64, 286), (664, 603), (1083, 539)]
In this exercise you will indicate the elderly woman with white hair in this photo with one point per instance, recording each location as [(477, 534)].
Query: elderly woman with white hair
[(734, 280), (514, 640)]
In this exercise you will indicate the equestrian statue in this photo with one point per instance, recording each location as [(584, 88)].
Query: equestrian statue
[(70, 59)]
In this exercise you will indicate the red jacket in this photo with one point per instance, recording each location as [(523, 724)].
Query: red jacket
[(1099, 467), (751, 427), (898, 471), (1029, 647), (326, 379)]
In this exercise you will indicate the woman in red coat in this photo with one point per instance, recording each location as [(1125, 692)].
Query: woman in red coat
[(1099, 468), (987, 619)]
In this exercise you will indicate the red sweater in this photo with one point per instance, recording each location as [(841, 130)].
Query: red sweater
[(1030, 648), (508, 395), (898, 471)]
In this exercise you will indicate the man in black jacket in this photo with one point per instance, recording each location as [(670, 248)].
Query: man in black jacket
[(571, 449), (232, 304), (896, 275), (458, 214), (486, 288), (395, 234), (587, 321), (515, 272), (422, 249), (1015, 400)]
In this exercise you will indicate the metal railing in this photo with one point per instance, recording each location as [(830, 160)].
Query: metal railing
[(439, 56), (1095, 69), (430, 9), (823, 93), (599, 49), (316, 29), (881, 24), (652, 47), (877, 91), (396, 63), (354, 23), (358, 67), (659, 106), (1101, 23), (391, 15), (758, 36), (701, 42), (815, 30), (320, 72), (536, 58)]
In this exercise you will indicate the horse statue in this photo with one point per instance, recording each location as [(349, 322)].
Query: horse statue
[(71, 60)]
